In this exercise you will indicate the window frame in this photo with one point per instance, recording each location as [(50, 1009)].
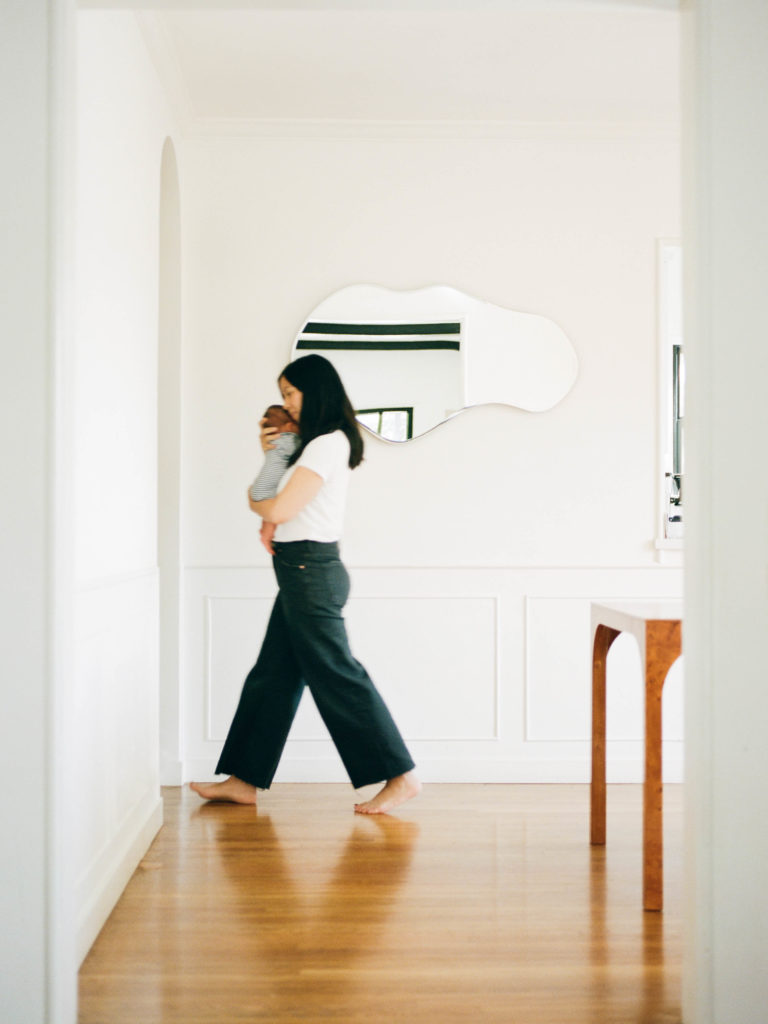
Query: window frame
[(671, 401)]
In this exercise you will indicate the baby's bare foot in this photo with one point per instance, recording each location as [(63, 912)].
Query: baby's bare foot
[(395, 792), (231, 790)]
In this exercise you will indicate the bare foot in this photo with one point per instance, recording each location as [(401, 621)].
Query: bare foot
[(395, 792), (232, 790)]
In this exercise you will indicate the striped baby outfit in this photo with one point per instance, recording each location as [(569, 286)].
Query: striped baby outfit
[(275, 464)]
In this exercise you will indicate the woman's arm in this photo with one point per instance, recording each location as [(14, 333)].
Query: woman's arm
[(298, 492)]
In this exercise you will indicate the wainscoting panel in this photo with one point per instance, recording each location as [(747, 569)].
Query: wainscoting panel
[(392, 636), (395, 639), (234, 627), (486, 671)]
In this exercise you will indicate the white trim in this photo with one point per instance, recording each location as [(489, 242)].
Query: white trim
[(670, 551), (560, 771), (534, 567), (373, 5), (669, 544), (217, 128), (102, 884), (61, 797)]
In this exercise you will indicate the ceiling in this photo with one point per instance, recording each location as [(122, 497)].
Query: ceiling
[(576, 63)]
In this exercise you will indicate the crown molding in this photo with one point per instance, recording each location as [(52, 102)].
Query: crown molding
[(196, 127), (166, 62), (211, 128), (360, 6)]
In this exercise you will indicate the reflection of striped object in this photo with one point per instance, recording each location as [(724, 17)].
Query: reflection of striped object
[(319, 335)]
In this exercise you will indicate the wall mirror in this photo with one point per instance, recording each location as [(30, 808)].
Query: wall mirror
[(410, 360)]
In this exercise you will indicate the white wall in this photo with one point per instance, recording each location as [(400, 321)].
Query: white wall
[(725, 981), (123, 122), (563, 228), (521, 518), (27, 843)]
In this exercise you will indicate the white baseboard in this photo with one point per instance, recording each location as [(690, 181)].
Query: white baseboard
[(479, 770), (103, 883)]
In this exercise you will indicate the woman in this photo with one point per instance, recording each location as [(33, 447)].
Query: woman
[(306, 640)]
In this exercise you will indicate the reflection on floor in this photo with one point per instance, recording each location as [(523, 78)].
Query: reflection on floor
[(475, 903)]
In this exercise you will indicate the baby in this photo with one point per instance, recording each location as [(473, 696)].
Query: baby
[(276, 458), (275, 462)]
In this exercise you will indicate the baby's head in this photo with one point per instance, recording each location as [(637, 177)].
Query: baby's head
[(277, 416)]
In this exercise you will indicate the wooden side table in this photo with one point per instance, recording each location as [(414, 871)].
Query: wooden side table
[(657, 628)]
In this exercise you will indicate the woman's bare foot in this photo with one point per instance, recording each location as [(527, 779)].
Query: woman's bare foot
[(395, 792), (232, 790)]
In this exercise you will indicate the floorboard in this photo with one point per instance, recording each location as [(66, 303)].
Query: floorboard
[(476, 903)]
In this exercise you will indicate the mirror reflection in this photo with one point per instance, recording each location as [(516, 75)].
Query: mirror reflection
[(411, 360)]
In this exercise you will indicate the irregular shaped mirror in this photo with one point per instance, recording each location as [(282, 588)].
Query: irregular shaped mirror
[(411, 360)]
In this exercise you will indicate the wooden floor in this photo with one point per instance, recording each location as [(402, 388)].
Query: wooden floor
[(476, 903)]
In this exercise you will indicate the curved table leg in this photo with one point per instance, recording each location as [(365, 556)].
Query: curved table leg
[(604, 637), (662, 648)]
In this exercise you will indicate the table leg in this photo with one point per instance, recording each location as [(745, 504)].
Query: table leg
[(604, 637), (662, 647)]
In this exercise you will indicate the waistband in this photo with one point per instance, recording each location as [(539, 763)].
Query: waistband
[(322, 551)]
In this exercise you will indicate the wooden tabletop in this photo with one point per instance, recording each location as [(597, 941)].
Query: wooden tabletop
[(624, 615)]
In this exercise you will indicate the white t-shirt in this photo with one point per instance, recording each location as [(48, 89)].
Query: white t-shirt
[(322, 518)]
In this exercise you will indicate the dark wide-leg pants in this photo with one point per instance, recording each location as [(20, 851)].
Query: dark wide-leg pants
[(306, 644)]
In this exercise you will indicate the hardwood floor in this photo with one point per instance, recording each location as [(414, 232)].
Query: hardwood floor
[(477, 903)]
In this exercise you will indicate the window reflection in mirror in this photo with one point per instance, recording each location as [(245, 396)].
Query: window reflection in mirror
[(391, 424)]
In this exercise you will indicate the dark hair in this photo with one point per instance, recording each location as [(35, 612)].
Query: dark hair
[(325, 406)]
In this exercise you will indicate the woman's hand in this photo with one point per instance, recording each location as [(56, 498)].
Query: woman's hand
[(267, 533), (267, 435)]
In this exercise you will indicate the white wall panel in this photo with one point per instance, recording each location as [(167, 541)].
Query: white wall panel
[(487, 671), (410, 645), (413, 645), (234, 627)]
